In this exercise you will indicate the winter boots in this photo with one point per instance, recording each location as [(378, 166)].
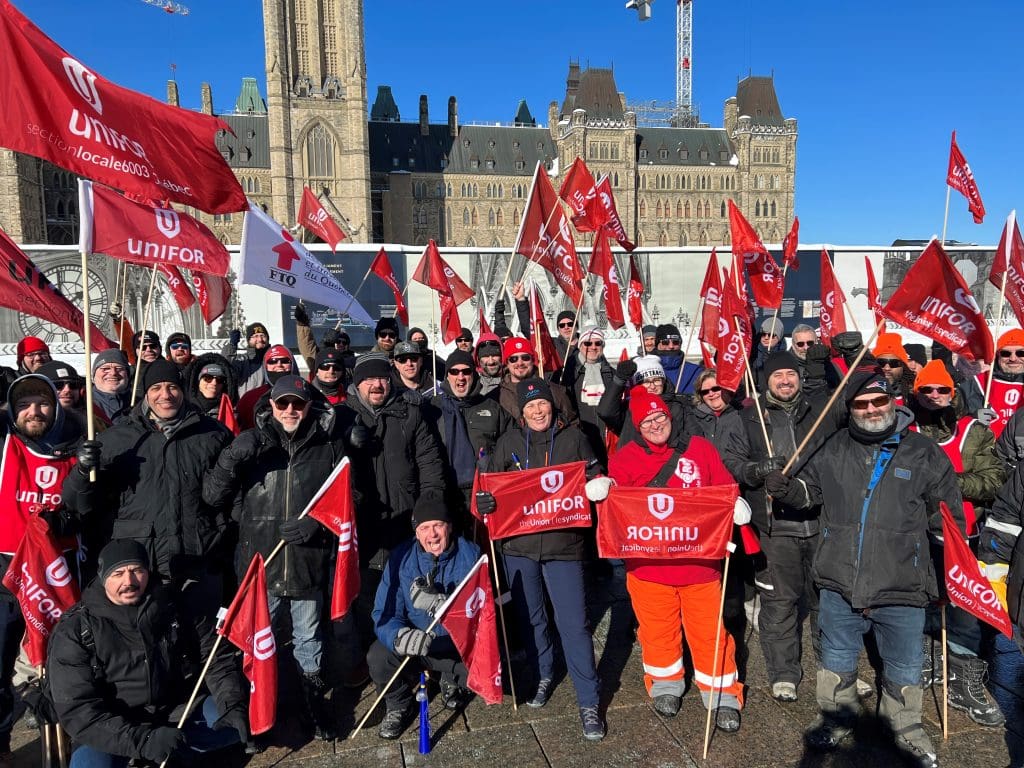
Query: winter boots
[(901, 707), (318, 709), (967, 675), (840, 706), (931, 667)]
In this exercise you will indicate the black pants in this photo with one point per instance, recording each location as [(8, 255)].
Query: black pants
[(354, 631), (787, 595), (442, 658)]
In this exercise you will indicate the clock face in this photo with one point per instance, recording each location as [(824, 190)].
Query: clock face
[(67, 278)]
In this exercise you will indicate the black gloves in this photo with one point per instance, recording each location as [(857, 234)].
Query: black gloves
[(412, 642), (331, 337), (301, 315), (625, 371), (162, 743), (243, 448), (234, 337), (426, 597), (817, 355), (299, 531), (89, 453), (763, 468), (848, 344), (485, 502), (499, 308), (360, 436), (236, 718), (776, 484)]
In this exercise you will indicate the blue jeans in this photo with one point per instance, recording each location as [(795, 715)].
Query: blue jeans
[(897, 630), (563, 580), (199, 735), (307, 643)]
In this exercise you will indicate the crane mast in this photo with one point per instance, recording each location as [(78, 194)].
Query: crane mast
[(685, 114)]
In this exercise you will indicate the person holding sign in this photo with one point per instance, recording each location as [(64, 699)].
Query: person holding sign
[(680, 594), (548, 563)]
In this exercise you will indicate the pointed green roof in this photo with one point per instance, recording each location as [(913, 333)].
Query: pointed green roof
[(249, 100)]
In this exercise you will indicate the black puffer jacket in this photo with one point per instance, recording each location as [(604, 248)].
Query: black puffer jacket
[(874, 545), (192, 382), (486, 420), (613, 410), (116, 672), (266, 477), (591, 424), (561, 445), (401, 460), (149, 488), (726, 433)]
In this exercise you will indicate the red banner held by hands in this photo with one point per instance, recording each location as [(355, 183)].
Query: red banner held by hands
[(314, 217), (334, 508), (536, 500), (666, 523), (832, 317), (602, 264)]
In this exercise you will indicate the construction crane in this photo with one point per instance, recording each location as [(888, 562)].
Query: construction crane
[(684, 63), (168, 6)]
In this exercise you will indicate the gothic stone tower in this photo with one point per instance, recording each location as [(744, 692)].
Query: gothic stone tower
[(316, 94)]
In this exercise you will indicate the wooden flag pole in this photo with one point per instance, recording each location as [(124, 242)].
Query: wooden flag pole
[(142, 337), (85, 244), (945, 678), (945, 216), (689, 340), (718, 636), (501, 615), (753, 389)]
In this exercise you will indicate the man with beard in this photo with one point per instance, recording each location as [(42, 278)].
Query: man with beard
[(789, 535), (518, 357), (32, 353), (248, 366), (892, 359), (817, 374), (412, 369), (115, 672), (970, 448), (488, 362), (111, 396), (179, 350), (464, 341), (879, 485), (386, 334), (266, 477), (668, 347), (329, 375), (1007, 384), (37, 438), (277, 362), (70, 389)]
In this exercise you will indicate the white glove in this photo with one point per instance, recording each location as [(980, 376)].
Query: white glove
[(597, 489), (741, 511)]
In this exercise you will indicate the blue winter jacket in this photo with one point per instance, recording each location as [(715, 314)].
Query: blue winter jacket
[(392, 609)]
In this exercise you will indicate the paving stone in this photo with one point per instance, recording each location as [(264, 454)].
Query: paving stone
[(512, 745)]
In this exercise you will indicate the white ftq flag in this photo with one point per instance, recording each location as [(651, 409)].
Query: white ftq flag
[(273, 259)]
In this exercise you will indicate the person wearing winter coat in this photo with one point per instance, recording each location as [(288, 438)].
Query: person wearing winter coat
[(679, 374), (520, 364), (411, 369), (488, 362), (420, 575), (879, 485), (114, 668), (549, 564), (1007, 384), (248, 365), (208, 379), (681, 596), (266, 477), (277, 362), (111, 388), (718, 420), (587, 375), (329, 375)]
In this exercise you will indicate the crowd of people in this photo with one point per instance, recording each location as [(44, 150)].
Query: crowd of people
[(162, 512)]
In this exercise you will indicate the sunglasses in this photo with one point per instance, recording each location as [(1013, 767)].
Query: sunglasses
[(936, 390), (565, 324), (520, 358), (765, 334), (278, 361), (387, 335), (329, 367), (60, 386), (592, 344), (877, 402), (406, 358), (888, 363), (800, 343), (1004, 353), (208, 378), (709, 390), (283, 404), (180, 345), (460, 371), (151, 346)]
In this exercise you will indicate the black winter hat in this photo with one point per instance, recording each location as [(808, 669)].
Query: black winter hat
[(465, 335), (458, 357), (386, 324), (159, 371), (121, 552), (253, 328), (148, 337), (430, 507), (667, 331), (176, 337), (780, 361), (867, 379), (369, 366), (916, 352), (529, 390), (329, 356), (649, 330), (565, 314), (331, 337), (56, 370)]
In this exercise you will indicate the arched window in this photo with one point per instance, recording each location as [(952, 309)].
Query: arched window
[(491, 220), (501, 190), (679, 209), (465, 217), (319, 153), (515, 217), (658, 212), (500, 217), (677, 181), (773, 207), (643, 208), (473, 216), (686, 210), (757, 208), (448, 220), (663, 238), (476, 191), (463, 189), (721, 211), (707, 210), (615, 179)]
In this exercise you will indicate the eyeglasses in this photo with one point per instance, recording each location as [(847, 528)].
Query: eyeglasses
[(801, 343), (112, 370), (35, 355), (180, 345), (460, 371), (520, 358), (278, 361), (151, 346), (709, 390), (329, 367), (1004, 353), (936, 390), (294, 403), (565, 324), (654, 421), (592, 344), (889, 363), (207, 377), (387, 335), (875, 402)]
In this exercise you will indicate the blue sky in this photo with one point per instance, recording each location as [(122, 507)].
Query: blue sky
[(876, 88)]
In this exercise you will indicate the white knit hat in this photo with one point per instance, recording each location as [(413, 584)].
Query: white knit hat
[(592, 333), (648, 367)]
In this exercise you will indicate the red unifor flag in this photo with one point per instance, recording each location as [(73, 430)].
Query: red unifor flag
[(314, 217), (226, 414), (789, 246), (606, 202), (832, 317), (960, 178), (469, 616), (711, 313), (148, 235), (873, 303), (666, 523), (546, 237), (434, 272), (765, 275), (381, 267), (213, 293), (935, 301), (635, 295), (25, 289), (536, 500), (543, 344), (179, 288), (602, 263), (734, 338), (247, 626), (332, 506), (580, 193), (58, 109), (42, 583), (1009, 262), (966, 586)]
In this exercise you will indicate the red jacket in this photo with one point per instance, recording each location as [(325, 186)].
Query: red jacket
[(636, 464)]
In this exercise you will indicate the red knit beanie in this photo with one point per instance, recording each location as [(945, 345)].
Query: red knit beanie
[(643, 404), (31, 344)]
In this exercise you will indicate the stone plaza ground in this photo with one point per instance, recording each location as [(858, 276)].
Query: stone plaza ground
[(771, 734)]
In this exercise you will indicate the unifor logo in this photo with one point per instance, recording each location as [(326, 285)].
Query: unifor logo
[(46, 476), (552, 481), (58, 574), (475, 602), (168, 222), (660, 505), (263, 645), (84, 83)]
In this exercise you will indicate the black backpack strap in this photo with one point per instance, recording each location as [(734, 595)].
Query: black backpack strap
[(666, 471)]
